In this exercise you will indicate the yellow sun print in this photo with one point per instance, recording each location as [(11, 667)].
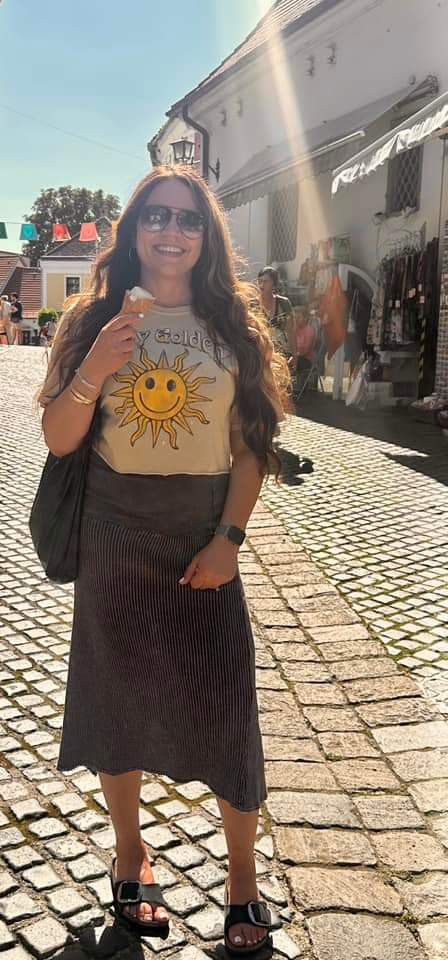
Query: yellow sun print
[(161, 395)]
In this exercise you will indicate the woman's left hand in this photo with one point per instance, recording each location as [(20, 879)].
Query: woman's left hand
[(211, 567)]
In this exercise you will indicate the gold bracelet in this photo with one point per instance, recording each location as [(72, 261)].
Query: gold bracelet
[(80, 398), (86, 383)]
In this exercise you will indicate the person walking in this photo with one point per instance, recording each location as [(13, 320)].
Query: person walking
[(187, 397)]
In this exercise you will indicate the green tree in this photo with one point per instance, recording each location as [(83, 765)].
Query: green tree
[(70, 205)]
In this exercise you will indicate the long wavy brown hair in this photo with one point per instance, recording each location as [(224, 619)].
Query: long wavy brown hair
[(228, 306)]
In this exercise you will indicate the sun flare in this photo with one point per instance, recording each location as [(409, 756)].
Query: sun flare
[(161, 395)]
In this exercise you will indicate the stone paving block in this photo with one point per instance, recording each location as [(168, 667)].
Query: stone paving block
[(339, 719), (87, 820), (48, 827), (306, 672), (409, 851), (51, 787), (105, 839), (206, 876), (15, 953), (388, 811), (326, 617), (7, 882), (339, 634), (284, 725), (66, 901), (384, 688), (434, 937), (171, 809), (364, 775), (420, 764), (42, 878), (296, 776), (207, 923), (7, 937), (276, 702), (195, 826), (439, 826), (317, 693), (86, 868), (270, 680), (431, 796), (44, 937), (159, 837), (307, 845), (368, 667), (79, 921), (347, 745), (13, 790), (337, 936), (287, 635), (319, 888), (419, 736), (290, 946), (396, 711), (26, 809), (184, 899), (344, 649), (317, 809), (17, 906), (10, 837), (216, 845), (21, 857), (102, 890), (68, 803), (176, 938), (284, 748), (294, 652), (67, 848), (184, 855), (425, 897)]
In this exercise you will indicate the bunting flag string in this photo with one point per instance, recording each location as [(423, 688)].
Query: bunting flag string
[(29, 233)]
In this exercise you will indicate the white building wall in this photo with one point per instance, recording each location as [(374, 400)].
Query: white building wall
[(380, 46)]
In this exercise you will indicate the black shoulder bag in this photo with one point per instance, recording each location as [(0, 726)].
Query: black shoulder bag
[(55, 518)]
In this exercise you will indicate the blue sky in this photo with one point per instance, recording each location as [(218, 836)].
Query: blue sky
[(107, 71)]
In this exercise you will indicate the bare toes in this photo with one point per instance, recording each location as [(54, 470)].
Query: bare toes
[(236, 936)]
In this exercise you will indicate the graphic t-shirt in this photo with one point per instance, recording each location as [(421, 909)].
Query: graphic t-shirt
[(169, 409)]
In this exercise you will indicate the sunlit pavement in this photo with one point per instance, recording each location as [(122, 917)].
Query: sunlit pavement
[(352, 847)]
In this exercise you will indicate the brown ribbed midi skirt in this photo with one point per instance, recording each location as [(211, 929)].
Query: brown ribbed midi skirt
[(161, 676)]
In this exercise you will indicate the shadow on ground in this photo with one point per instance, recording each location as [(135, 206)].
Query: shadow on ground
[(424, 442)]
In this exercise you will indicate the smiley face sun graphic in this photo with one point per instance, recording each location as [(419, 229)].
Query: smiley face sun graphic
[(161, 395)]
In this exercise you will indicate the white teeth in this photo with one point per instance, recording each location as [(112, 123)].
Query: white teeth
[(170, 249)]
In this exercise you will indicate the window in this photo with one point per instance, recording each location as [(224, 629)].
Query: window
[(403, 181), (72, 286), (284, 206)]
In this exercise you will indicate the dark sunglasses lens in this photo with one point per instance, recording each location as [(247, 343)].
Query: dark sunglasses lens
[(155, 218), (191, 223)]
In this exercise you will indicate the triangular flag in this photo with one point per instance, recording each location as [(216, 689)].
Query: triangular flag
[(28, 232), (88, 233), (3, 233), (61, 232)]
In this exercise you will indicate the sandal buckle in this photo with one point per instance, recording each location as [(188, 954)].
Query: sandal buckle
[(258, 913), (128, 891)]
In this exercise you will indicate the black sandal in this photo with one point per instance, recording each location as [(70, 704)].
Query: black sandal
[(256, 913), (131, 892)]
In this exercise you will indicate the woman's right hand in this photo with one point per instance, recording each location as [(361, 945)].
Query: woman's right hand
[(112, 348)]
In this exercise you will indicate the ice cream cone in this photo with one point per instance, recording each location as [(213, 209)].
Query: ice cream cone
[(137, 300)]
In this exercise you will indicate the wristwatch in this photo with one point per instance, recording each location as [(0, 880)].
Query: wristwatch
[(234, 534)]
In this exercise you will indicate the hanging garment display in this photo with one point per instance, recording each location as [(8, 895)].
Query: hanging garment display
[(406, 293), (333, 315)]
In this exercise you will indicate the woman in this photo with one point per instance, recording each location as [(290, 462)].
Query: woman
[(161, 673), (305, 348), (278, 312)]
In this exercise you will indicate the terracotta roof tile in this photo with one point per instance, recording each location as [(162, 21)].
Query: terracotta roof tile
[(26, 281), (8, 262)]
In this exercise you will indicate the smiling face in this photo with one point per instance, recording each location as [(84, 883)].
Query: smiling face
[(160, 394), (168, 253)]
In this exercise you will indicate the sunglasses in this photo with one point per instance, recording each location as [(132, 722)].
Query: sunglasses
[(154, 219)]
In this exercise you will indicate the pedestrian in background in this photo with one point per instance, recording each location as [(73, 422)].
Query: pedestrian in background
[(278, 312), (16, 318), (5, 319), (162, 661)]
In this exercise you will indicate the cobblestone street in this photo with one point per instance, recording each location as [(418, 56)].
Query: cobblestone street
[(345, 582)]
